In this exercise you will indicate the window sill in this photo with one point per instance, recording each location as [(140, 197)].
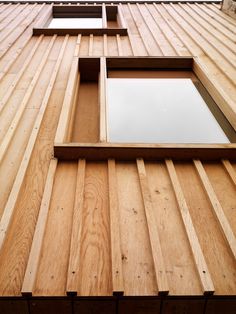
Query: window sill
[(82, 31), (104, 151)]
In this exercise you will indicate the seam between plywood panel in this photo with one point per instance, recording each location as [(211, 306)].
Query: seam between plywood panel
[(75, 244), (131, 34), (159, 265), (166, 46), (4, 12), (211, 51), (15, 192), (219, 13), (20, 110), (35, 252), (217, 208), (116, 256), (142, 36), (13, 25), (10, 16), (217, 18), (166, 16), (19, 74), (199, 9), (211, 35), (161, 29), (202, 268), (20, 30), (153, 33)]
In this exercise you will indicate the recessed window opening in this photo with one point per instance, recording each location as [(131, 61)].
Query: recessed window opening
[(162, 107)]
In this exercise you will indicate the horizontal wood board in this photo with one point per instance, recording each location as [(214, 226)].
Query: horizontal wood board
[(34, 73)]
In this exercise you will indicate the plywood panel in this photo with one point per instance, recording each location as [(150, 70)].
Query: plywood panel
[(138, 268), (95, 269), (86, 118)]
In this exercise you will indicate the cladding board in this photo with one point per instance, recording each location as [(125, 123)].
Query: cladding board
[(199, 30)]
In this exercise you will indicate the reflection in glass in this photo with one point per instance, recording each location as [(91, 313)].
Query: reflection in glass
[(76, 23), (159, 111)]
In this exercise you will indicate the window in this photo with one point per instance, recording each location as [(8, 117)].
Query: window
[(162, 107), (149, 107), (75, 23), (83, 19)]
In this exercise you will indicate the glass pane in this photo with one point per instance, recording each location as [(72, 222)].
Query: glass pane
[(159, 111), (76, 23)]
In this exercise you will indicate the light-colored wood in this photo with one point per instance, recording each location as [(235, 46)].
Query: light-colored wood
[(17, 21), (35, 252), (62, 129), (95, 269), (181, 270), (76, 241), (204, 274), (86, 116), (12, 200), (230, 170), (104, 16), (51, 277), (10, 90), (33, 82), (102, 101), (217, 208), (159, 264), (116, 255), (121, 19), (90, 53), (77, 48), (223, 100), (199, 30), (20, 110)]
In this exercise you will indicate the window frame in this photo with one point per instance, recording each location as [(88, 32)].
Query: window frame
[(103, 150), (106, 12)]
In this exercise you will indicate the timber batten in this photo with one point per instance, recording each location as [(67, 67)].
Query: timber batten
[(88, 225)]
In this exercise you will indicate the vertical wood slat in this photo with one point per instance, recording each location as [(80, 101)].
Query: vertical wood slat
[(116, 256), (121, 17), (69, 98), (102, 100), (18, 183), (204, 274), (104, 16), (90, 52), (159, 264), (68, 134), (35, 252), (217, 208), (75, 245), (230, 170), (105, 48), (120, 50)]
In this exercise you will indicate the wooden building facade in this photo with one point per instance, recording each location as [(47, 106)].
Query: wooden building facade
[(89, 226)]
